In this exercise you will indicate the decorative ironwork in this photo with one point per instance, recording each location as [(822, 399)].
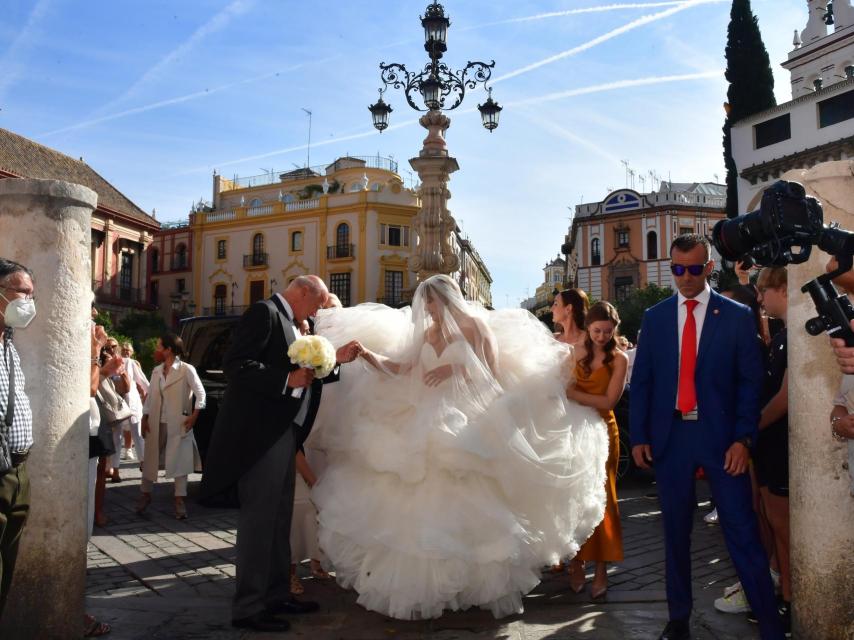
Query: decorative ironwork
[(440, 86), (436, 82)]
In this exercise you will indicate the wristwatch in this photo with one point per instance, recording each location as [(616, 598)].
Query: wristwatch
[(747, 441)]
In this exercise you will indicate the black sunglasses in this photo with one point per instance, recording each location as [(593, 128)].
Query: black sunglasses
[(693, 269)]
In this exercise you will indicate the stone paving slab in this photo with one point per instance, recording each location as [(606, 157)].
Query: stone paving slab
[(154, 577)]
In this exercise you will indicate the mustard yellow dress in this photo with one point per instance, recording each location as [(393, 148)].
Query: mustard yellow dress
[(606, 543)]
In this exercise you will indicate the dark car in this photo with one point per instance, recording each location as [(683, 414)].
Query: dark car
[(206, 340)]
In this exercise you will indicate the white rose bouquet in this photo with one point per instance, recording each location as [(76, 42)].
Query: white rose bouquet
[(312, 352)]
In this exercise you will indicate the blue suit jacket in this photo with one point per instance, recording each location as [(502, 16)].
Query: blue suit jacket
[(728, 376)]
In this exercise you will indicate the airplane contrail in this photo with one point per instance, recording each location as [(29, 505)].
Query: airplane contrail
[(629, 26), (571, 12), (178, 99), (599, 88), (9, 72)]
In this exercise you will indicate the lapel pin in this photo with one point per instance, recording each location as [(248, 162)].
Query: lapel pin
[(716, 311)]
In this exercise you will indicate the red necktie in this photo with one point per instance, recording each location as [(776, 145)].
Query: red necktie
[(687, 398)]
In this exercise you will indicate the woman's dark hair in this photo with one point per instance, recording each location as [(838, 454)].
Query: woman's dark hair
[(600, 311), (173, 342), (746, 295), (577, 299)]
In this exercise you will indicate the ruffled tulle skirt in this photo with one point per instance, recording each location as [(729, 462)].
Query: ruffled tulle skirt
[(428, 504)]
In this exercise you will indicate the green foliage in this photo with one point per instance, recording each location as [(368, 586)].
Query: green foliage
[(632, 308), (103, 318), (145, 355), (141, 326), (751, 84)]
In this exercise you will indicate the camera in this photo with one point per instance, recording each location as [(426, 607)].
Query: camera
[(783, 231)]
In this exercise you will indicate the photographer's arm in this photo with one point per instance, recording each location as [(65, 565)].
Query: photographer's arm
[(844, 354)]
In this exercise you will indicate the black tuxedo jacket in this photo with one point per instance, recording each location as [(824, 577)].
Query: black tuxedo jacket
[(255, 412)]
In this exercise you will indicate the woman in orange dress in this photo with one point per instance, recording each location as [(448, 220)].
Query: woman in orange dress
[(600, 375)]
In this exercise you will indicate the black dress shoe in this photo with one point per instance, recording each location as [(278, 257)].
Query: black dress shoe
[(676, 630), (264, 621), (292, 607)]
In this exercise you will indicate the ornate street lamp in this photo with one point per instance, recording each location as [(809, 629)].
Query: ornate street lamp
[(434, 88)]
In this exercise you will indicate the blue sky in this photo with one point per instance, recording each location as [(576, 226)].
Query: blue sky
[(155, 95)]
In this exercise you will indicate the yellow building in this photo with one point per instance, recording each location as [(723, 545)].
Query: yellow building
[(349, 222)]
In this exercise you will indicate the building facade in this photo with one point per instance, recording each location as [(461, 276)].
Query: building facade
[(554, 279), (623, 242), (121, 231), (170, 265), (349, 222), (817, 125), (473, 276)]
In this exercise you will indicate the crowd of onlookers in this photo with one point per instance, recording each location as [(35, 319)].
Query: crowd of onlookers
[(151, 421)]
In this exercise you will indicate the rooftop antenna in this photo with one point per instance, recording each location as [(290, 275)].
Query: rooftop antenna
[(625, 164), (308, 149)]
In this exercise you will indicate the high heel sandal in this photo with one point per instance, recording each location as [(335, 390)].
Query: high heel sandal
[(296, 586), (180, 509), (142, 503), (318, 572), (598, 593)]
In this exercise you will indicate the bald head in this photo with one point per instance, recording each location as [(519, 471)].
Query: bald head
[(306, 294)]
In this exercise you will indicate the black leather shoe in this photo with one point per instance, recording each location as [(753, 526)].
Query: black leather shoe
[(676, 630), (292, 607), (264, 621)]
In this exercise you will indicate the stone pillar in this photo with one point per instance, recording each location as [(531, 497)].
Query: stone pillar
[(821, 501), (45, 225), (434, 225)]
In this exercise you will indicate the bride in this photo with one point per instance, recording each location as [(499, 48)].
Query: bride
[(457, 468)]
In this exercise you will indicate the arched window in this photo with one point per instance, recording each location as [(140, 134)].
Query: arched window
[(181, 257), (595, 255), (155, 260), (652, 246), (219, 299), (342, 235), (258, 245), (342, 240)]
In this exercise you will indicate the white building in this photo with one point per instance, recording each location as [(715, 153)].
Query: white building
[(817, 125)]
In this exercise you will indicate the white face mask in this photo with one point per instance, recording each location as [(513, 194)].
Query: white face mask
[(19, 312)]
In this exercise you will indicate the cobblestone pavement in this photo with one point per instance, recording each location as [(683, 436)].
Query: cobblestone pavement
[(154, 577)]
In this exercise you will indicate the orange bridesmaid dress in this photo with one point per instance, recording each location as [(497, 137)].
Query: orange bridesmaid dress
[(606, 543)]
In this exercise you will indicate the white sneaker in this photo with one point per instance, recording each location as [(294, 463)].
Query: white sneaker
[(124, 455), (733, 600), (130, 455), (711, 517)]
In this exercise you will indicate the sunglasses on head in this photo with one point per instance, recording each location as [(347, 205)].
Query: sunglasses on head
[(693, 269)]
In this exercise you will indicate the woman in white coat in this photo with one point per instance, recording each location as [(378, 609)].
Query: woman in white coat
[(168, 420)]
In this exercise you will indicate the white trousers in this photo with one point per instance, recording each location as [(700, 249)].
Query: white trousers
[(180, 486), (138, 443)]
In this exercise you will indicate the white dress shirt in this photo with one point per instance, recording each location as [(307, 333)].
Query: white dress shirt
[(699, 316)]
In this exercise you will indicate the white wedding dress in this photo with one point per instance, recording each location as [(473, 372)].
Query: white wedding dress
[(451, 496)]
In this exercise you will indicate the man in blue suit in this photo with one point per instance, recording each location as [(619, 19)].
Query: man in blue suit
[(695, 403)]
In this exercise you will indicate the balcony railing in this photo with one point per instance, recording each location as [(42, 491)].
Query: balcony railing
[(118, 294), (318, 171), (255, 260), (394, 301), (340, 251)]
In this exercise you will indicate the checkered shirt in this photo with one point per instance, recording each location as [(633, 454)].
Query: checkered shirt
[(21, 435)]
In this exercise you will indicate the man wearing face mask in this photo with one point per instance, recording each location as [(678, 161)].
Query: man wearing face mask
[(17, 310)]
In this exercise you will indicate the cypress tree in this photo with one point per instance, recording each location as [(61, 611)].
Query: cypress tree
[(751, 84)]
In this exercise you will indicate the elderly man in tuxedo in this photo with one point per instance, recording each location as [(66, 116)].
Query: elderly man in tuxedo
[(696, 385), (253, 447)]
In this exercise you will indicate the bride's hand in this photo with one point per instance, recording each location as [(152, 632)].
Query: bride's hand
[(437, 376)]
